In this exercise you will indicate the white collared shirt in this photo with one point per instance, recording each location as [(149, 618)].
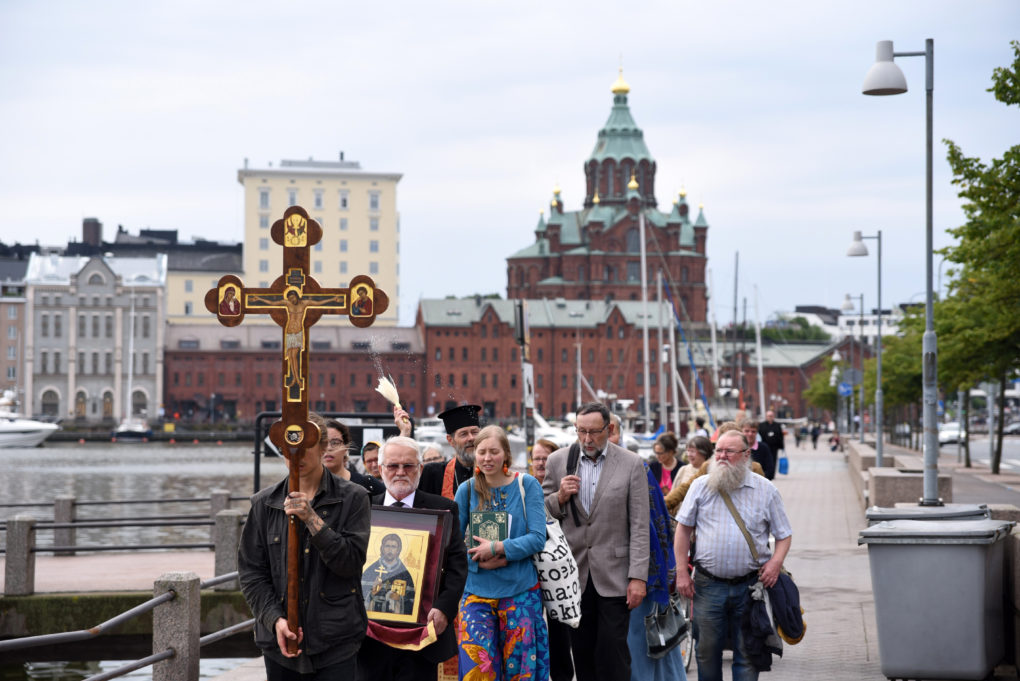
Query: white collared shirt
[(389, 499), (589, 471)]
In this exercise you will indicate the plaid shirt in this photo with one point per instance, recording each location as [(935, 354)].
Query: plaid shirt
[(721, 547)]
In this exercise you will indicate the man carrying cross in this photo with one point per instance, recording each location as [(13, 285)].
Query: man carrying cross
[(335, 519)]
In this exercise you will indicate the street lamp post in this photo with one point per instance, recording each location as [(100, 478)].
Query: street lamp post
[(847, 306), (885, 78), (857, 248)]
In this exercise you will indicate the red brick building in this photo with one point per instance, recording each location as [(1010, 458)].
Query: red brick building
[(594, 253)]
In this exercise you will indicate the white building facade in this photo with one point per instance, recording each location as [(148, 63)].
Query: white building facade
[(93, 325)]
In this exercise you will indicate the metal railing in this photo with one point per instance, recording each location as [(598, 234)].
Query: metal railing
[(19, 564), (175, 629)]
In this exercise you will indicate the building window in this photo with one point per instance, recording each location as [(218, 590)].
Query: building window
[(343, 267), (44, 326), (373, 267), (317, 266), (187, 308), (95, 362), (540, 353), (263, 244), (56, 362), (541, 383), (146, 326), (12, 352), (12, 373), (263, 265), (58, 325), (373, 246), (373, 200), (317, 199), (483, 381), (317, 247), (439, 354), (343, 224), (343, 245), (292, 197), (81, 326), (452, 350), (463, 380), (109, 325), (634, 271), (95, 326), (483, 355), (43, 364), (264, 198), (109, 363), (563, 355), (464, 354), (263, 221), (373, 224), (344, 199)]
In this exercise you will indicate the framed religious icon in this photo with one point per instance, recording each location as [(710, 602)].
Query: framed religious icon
[(400, 580)]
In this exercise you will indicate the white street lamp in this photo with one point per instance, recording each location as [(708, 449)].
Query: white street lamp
[(858, 249), (848, 306), (885, 78)]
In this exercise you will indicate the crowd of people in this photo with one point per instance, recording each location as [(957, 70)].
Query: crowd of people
[(637, 530)]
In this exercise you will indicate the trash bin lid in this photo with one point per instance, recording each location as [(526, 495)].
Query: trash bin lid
[(985, 531), (945, 512)]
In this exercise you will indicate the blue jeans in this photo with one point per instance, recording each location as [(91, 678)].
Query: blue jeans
[(718, 607)]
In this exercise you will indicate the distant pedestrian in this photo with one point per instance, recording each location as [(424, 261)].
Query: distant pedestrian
[(771, 432), (700, 431), (760, 450), (798, 435), (816, 432)]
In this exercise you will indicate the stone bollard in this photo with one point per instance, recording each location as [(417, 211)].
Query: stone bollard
[(19, 567), (219, 500), (64, 511), (175, 624), (226, 537)]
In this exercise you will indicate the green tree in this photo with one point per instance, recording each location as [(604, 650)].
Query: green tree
[(984, 292), (819, 393)]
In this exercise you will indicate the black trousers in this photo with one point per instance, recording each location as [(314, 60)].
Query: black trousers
[(560, 666), (600, 642), (341, 671), (379, 662)]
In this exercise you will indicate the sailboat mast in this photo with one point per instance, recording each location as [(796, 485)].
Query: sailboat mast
[(130, 357), (757, 351)]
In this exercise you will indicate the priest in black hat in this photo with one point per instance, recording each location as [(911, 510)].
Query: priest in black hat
[(462, 425)]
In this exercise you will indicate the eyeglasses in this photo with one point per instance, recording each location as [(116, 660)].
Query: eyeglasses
[(585, 432), (730, 452), (335, 444), (394, 467)]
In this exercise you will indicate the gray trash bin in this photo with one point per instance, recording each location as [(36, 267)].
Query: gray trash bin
[(876, 514), (938, 596)]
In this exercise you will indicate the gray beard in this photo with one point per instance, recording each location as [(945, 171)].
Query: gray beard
[(726, 478), (466, 460)]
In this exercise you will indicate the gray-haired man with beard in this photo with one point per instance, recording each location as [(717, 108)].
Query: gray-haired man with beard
[(724, 566), (401, 467)]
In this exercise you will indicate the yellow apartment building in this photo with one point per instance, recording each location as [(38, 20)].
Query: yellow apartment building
[(358, 213)]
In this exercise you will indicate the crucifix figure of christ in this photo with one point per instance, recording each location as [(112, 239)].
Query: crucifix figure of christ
[(295, 302)]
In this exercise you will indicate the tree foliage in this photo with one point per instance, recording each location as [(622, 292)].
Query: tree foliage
[(819, 393), (979, 322)]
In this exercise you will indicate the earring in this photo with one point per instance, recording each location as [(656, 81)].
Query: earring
[(506, 469), (478, 471)]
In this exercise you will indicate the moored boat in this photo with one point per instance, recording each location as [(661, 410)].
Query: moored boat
[(17, 430)]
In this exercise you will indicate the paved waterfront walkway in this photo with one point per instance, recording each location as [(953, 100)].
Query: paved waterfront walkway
[(830, 568)]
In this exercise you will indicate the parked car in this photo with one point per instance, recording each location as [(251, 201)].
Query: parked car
[(1011, 428), (950, 432)]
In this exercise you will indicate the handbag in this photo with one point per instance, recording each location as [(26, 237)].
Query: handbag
[(557, 572), (665, 626)]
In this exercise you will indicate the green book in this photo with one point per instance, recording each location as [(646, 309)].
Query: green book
[(490, 525)]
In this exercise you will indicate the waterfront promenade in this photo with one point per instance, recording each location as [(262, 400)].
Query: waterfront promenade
[(830, 568)]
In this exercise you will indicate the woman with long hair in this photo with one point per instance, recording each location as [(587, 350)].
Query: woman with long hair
[(334, 457), (502, 633)]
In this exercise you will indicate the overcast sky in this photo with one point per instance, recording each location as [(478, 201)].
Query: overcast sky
[(140, 114)]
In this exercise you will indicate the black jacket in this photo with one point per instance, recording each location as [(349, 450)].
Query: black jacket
[(772, 434), (433, 473), (332, 612)]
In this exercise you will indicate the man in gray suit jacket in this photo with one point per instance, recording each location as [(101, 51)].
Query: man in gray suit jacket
[(603, 509)]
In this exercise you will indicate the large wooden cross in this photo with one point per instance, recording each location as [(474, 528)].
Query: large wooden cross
[(295, 301)]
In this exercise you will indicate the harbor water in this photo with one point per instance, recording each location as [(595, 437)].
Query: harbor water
[(119, 472)]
